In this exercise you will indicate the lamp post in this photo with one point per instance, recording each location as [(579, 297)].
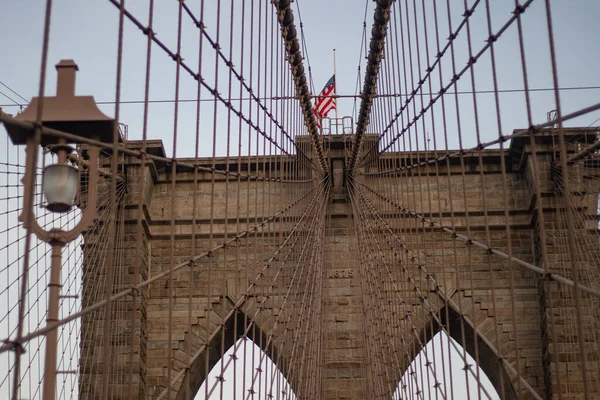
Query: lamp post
[(80, 117)]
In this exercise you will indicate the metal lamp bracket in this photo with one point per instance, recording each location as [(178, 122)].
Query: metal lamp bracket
[(89, 214)]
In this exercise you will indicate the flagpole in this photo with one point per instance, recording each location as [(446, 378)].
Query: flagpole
[(335, 92)]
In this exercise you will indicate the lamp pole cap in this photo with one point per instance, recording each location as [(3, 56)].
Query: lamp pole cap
[(67, 64)]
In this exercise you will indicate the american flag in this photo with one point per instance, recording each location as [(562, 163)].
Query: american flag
[(325, 104)]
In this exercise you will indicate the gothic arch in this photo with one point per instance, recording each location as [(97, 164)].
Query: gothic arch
[(488, 360), (197, 373)]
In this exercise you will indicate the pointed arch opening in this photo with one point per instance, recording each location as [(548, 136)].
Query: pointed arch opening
[(245, 372), (445, 369), (239, 363), (438, 372)]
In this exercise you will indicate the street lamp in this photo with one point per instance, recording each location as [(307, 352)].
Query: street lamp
[(60, 186), (77, 118)]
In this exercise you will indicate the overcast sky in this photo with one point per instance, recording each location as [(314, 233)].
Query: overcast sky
[(87, 32)]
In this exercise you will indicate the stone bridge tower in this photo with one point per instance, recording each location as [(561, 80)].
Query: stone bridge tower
[(470, 277)]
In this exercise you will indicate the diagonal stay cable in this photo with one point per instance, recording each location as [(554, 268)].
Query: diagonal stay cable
[(200, 24), (584, 153), (14, 92), (304, 47), (10, 345), (502, 139), (472, 242), (363, 218), (352, 96), (270, 289), (197, 76), (11, 99), (9, 120), (410, 96), (415, 258), (292, 47), (453, 81), (378, 33), (416, 288), (241, 301), (314, 225)]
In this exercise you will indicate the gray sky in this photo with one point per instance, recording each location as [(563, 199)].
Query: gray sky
[(87, 32), (433, 353)]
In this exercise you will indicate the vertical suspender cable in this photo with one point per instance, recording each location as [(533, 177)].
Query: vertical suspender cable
[(378, 32), (292, 46)]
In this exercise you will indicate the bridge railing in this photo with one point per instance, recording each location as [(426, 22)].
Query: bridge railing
[(337, 126)]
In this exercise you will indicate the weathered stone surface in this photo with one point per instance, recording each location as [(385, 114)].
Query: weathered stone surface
[(526, 320)]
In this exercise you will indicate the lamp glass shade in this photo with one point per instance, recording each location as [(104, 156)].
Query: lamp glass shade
[(60, 187)]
